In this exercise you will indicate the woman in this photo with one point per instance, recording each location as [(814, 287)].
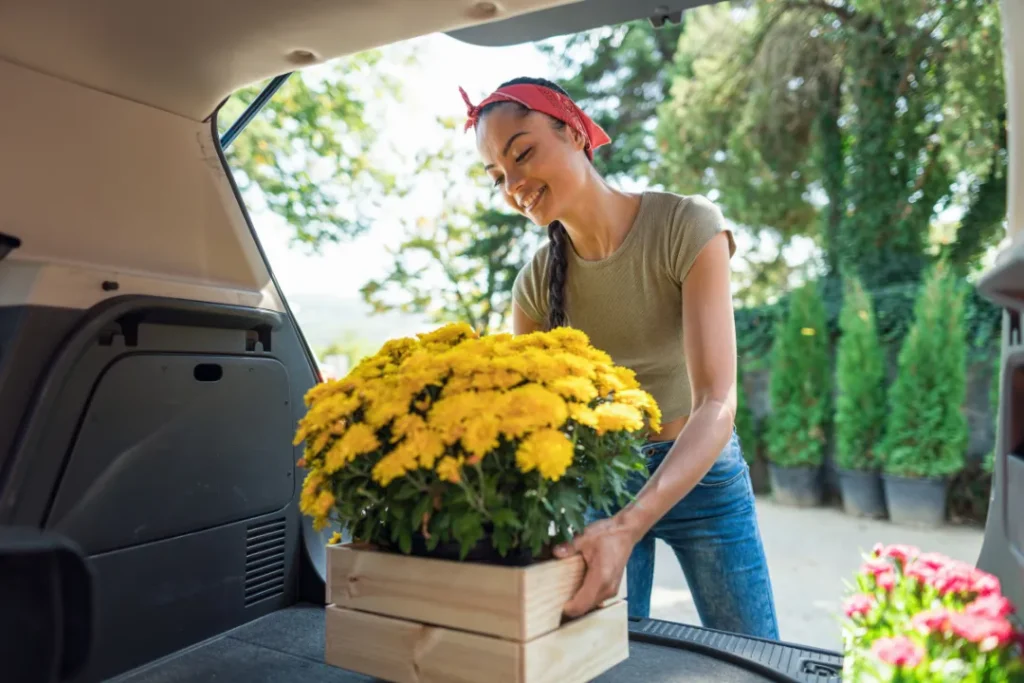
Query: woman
[(646, 276)]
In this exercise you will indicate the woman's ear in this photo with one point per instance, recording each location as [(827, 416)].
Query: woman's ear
[(578, 141)]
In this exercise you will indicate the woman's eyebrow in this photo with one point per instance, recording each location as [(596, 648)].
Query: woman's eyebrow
[(508, 145)]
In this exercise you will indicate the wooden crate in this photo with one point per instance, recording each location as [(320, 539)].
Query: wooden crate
[(515, 603), (421, 620), (410, 652)]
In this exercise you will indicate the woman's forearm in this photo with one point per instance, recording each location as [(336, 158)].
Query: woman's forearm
[(702, 439)]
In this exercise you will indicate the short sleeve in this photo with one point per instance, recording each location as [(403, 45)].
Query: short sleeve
[(529, 288), (695, 222)]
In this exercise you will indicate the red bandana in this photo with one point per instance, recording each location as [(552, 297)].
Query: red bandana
[(546, 101)]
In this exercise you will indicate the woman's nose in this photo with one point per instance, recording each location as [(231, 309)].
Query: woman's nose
[(512, 184)]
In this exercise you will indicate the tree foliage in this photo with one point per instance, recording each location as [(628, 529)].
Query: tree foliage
[(800, 385), (856, 122), (860, 383), (460, 264), (308, 151), (926, 433), (620, 75)]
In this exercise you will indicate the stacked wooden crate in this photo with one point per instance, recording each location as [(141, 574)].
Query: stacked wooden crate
[(420, 620)]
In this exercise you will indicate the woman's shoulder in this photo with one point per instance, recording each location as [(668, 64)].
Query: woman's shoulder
[(684, 224), (681, 211), (530, 285)]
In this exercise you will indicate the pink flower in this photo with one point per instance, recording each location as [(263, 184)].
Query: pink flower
[(931, 621), (923, 573), (988, 633), (886, 580), (934, 561), (874, 567), (955, 577), (991, 607), (899, 651), (858, 605), (900, 553), (984, 584)]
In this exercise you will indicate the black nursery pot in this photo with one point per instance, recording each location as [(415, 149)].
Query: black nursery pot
[(863, 495), (483, 552), (797, 486), (919, 502)]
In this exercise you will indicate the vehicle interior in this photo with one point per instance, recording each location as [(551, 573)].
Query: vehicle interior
[(152, 374)]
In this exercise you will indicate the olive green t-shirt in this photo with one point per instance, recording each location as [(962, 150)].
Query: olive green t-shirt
[(630, 303)]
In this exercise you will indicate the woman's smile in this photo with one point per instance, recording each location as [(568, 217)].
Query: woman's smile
[(532, 200)]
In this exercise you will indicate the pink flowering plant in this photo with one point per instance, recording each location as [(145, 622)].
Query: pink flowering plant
[(923, 617)]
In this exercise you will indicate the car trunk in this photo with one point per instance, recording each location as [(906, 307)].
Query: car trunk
[(151, 371)]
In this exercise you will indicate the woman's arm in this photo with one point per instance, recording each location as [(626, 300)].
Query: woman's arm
[(709, 339), (710, 347), (522, 323)]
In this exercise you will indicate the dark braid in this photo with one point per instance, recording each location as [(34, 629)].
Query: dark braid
[(559, 270), (557, 233)]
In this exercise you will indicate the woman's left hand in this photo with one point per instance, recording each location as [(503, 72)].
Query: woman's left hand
[(605, 546)]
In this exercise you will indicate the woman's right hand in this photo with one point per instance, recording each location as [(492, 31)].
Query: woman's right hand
[(605, 546)]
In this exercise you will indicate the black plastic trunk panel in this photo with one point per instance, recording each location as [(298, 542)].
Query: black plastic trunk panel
[(157, 434), (289, 646), (165, 449)]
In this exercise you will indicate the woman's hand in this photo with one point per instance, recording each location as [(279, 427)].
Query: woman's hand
[(605, 546)]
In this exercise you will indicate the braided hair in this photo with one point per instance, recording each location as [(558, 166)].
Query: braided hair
[(557, 234)]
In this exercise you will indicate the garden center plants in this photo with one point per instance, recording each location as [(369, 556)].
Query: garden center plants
[(800, 389), (926, 433), (860, 405)]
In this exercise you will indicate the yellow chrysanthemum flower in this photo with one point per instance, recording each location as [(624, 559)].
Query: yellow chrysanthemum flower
[(613, 417), (449, 335), (639, 398), (528, 408), (576, 388), (548, 451), (481, 435), (583, 414), (358, 439), (449, 469), (335, 538)]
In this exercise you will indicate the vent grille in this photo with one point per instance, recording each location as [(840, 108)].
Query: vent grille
[(264, 560)]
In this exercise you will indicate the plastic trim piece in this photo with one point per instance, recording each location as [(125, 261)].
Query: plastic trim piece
[(771, 659), (572, 18)]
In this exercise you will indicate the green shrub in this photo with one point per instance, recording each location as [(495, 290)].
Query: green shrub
[(800, 388), (926, 433), (860, 383), (746, 428)]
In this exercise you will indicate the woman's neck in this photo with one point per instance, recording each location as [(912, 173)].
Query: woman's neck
[(600, 221)]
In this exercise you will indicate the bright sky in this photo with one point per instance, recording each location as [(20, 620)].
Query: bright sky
[(430, 90)]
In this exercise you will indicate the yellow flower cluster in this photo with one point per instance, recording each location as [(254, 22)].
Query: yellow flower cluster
[(433, 405)]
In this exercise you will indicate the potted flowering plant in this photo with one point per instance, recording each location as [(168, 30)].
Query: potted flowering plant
[(473, 448), (922, 617)]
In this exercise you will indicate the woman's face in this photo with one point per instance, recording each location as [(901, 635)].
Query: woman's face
[(540, 169)]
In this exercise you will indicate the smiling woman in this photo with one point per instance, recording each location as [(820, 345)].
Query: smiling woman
[(646, 276)]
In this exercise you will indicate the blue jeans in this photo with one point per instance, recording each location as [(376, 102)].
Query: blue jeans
[(714, 533)]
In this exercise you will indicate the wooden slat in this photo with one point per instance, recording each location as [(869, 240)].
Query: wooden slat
[(515, 603), (407, 652), (581, 650)]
